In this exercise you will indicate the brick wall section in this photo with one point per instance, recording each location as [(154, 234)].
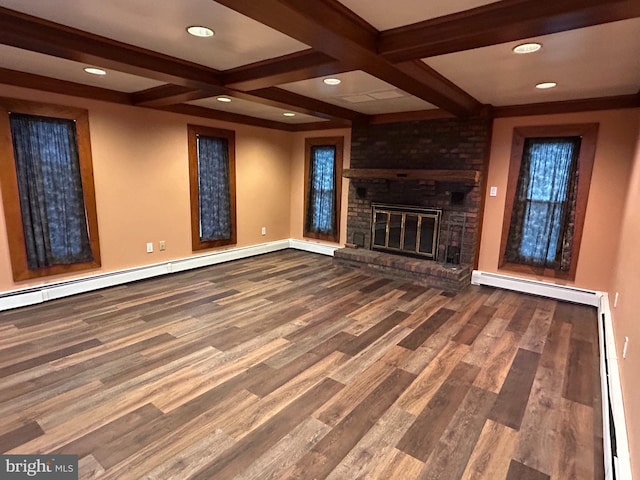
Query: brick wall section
[(451, 144)]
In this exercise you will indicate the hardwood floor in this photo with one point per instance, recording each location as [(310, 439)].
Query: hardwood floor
[(284, 366)]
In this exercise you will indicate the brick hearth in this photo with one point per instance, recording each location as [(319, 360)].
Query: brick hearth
[(423, 272)]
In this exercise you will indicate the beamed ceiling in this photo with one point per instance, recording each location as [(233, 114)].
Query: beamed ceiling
[(400, 60)]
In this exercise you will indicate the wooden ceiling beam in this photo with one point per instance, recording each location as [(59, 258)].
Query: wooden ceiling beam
[(46, 84), (31, 33), (277, 71), (203, 112), (331, 28), (171, 94), (166, 95), (499, 22), (185, 81), (278, 97), (53, 85)]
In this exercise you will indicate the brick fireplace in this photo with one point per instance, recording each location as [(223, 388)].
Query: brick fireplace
[(430, 164)]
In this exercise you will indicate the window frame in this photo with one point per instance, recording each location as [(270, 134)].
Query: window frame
[(586, 157), (9, 186), (338, 143), (193, 131)]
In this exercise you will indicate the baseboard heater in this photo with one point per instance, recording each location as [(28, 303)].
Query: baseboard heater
[(50, 291), (615, 444), (534, 287)]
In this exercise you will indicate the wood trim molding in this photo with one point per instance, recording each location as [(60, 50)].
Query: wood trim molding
[(308, 127), (193, 131), (412, 116), (589, 134), (10, 192), (338, 142), (498, 22), (462, 176), (568, 106)]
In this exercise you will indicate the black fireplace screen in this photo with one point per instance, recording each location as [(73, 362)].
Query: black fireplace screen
[(408, 230)]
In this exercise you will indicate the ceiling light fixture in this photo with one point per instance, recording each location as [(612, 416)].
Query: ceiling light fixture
[(223, 99), (95, 71), (545, 85), (289, 114), (527, 47), (199, 31), (332, 81)]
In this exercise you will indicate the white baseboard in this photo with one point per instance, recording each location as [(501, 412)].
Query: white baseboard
[(534, 287), (618, 467)]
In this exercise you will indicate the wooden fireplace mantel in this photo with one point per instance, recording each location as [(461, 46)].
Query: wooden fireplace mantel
[(453, 176)]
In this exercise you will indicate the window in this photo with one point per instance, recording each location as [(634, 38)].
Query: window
[(323, 188), (213, 186), (549, 180), (48, 195)]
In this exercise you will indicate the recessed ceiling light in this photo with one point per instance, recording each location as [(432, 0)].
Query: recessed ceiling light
[(289, 114), (223, 99), (332, 81), (545, 85), (527, 48), (199, 31), (95, 71)]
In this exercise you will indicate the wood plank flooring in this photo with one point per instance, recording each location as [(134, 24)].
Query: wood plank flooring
[(285, 366)]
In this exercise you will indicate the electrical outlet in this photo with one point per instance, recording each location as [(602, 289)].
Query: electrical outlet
[(493, 192), (615, 300), (264, 230), (624, 349), (163, 245)]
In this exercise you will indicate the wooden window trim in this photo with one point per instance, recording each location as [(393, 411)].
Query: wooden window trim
[(337, 142), (9, 185), (589, 134), (192, 132)]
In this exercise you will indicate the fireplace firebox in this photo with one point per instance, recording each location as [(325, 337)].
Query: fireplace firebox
[(406, 230)]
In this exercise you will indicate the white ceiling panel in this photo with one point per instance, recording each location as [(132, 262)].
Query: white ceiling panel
[(361, 92), (244, 107), (31, 62), (384, 16), (160, 26), (591, 62)]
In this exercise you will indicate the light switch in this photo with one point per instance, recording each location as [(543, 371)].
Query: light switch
[(493, 192)]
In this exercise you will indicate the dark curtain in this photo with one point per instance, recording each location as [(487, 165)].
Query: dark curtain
[(50, 189), (321, 212), (213, 186), (544, 208)]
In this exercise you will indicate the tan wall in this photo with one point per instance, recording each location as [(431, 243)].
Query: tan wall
[(297, 181), (626, 316), (142, 184), (613, 161)]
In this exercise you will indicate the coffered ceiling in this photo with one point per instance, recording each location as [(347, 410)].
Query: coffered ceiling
[(413, 59)]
